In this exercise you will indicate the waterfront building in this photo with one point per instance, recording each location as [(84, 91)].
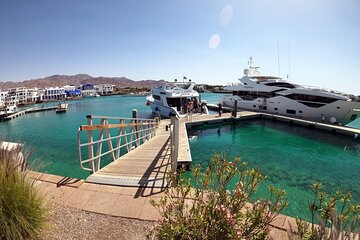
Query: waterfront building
[(3, 96), (87, 86), (87, 90), (69, 88), (54, 93), (17, 95), (104, 89), (73, 93), (31, 94)]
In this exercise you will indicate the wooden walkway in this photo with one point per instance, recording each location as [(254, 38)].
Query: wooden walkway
[(148, 164), (145, 166)]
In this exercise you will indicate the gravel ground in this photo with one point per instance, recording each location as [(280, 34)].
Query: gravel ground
[(71, 223)]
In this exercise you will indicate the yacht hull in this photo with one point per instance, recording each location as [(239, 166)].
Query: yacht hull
[(340, 112), (163, 110)]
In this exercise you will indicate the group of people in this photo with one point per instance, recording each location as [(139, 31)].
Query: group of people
[(193, 106)]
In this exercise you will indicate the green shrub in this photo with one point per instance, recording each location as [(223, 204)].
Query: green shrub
[(22, 209), (333, 218), (205, 209)]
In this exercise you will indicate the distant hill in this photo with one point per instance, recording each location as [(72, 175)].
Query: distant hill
[(79, 79)]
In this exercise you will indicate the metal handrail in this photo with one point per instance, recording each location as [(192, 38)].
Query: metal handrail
[(132, 132), (174, 141)]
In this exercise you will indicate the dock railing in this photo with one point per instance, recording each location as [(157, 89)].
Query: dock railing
[(174, 141), (111, 137)]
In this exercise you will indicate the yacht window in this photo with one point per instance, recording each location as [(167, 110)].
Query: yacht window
[(245, 83), (249, 95), (280, 84), (275, 109), (338, 107), (176, 102), (312, 104), (353, 117), (311, 98), (254, 106), (156, 97), (300, 111), (290, 111)]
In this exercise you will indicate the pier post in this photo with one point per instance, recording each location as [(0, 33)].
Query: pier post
[(235, 109), (135, 116)]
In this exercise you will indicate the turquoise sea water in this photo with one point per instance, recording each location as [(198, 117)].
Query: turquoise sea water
[(53, 137), (354, 124), (278, 151), (292, 157)]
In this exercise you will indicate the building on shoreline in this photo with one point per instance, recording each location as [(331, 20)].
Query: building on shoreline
[(104, 89), (23, 95), (54, 93)]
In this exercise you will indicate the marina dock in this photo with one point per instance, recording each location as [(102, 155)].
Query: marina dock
[(146, 163), (29, 110)]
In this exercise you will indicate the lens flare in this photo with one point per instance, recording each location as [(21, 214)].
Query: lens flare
[(214, 41), (226, 15)]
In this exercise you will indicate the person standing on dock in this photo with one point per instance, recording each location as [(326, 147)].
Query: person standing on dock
[(220, 109)]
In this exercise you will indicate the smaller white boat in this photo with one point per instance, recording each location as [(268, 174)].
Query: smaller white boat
[(7, 110), (176, 99), (62, 107)]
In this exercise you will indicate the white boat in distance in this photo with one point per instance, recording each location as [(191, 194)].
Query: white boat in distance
[(174, 98), (62, 107), (274, 95), (7, 110)]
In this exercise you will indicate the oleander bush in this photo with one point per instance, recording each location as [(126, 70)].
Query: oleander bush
[(333, 217), (203, 208), (22, 208)]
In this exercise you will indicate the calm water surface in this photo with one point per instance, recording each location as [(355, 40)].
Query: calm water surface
[(292, 157), (53, 137)]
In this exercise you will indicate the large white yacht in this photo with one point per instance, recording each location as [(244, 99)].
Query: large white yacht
[(174, 98), (274, 95)]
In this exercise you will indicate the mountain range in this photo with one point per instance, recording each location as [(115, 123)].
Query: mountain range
[(80, 79)]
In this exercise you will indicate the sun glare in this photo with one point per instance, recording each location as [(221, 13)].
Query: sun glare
[(226, 15), (214, 41)]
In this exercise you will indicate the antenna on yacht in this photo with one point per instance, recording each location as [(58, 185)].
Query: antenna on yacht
[(250, 62), (278, 58), (288, 76), (175, 79), (184, 78)]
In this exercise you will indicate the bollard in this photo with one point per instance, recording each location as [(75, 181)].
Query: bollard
[(235, 109)]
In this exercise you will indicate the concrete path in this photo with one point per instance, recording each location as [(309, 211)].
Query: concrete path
[(126, 202)]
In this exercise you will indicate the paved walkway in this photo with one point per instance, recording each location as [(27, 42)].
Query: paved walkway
[(126, 202), (120, 201)]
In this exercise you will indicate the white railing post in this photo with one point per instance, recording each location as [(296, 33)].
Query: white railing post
[(174, 138), (132, 132), (91, 146)]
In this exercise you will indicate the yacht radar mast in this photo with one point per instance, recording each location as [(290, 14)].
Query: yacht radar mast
[(251, 71)]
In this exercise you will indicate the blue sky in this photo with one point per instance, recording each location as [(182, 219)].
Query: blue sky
[(168, 39)]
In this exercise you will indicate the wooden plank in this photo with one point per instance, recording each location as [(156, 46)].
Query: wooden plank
[(109, 126), (146, 165)]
